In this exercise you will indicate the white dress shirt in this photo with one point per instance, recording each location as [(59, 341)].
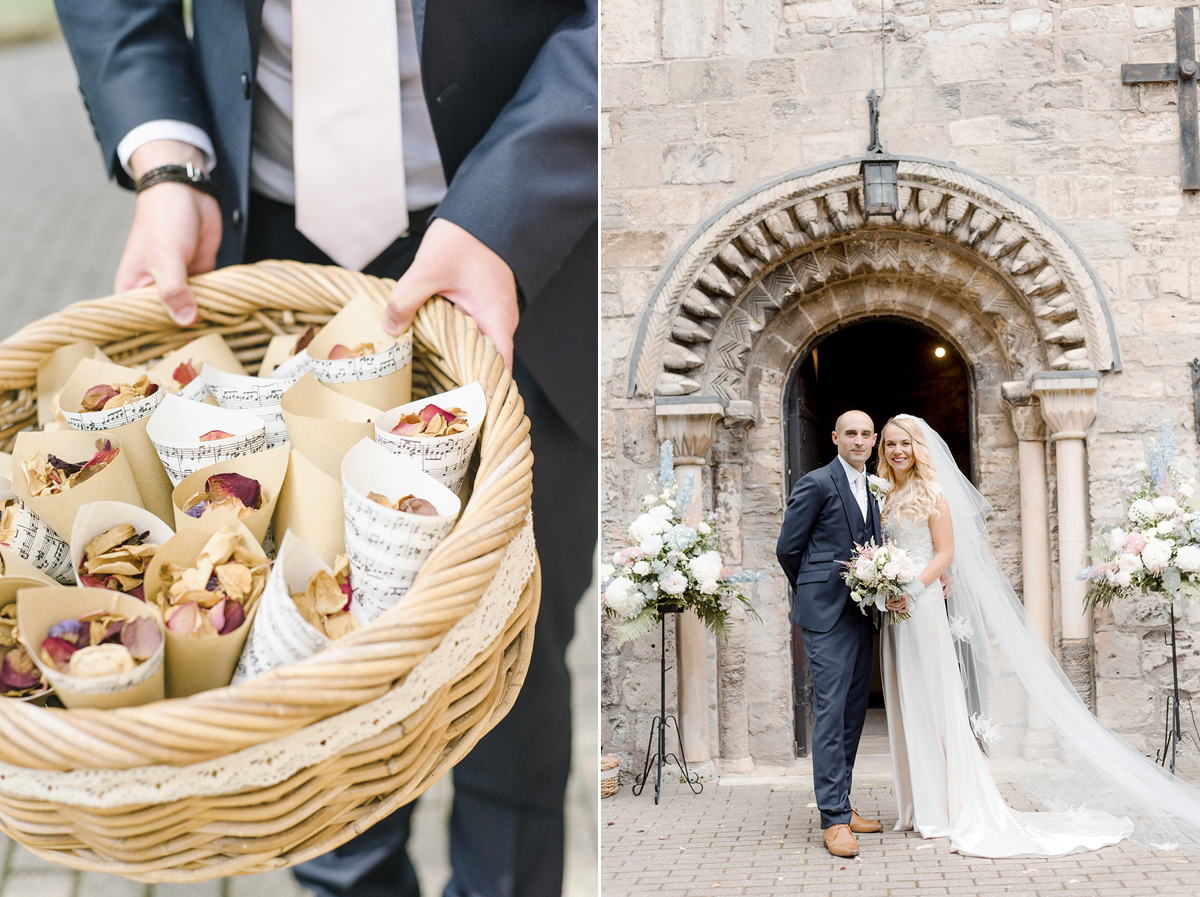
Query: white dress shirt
[(858, 484), (271, 156)]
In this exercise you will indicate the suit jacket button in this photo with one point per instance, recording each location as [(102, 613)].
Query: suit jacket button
[(236, 219), (245, 85)]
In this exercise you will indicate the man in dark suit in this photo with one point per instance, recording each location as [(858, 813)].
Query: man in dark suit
[(829, 511), (510, 90)]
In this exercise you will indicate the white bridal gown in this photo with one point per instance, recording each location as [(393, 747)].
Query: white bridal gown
[(943, 785)]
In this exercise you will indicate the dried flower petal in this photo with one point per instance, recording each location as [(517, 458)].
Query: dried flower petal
[(339, 351), (432, 420), (190, 619), (310, 330), (411, 504), (101, 660), (212, 435), (235, 616), (322, 604), (108, 396), (73, 631), (96, 397), (185, 373), (142, 637), (18, 671), (56, 652)]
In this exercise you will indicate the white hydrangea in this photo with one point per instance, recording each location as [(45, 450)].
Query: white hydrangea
[(647, 524), (673, 583), (1164, 505), (706, 566), (1187, 558), (624, 597), (1156, 555)]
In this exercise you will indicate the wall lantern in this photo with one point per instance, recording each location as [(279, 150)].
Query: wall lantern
[(881, 182)]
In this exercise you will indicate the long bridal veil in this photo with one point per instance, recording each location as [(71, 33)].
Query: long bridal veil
[(1031, 723)]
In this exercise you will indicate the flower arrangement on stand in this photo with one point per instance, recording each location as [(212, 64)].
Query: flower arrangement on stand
[(670, 565), (1156, 550)]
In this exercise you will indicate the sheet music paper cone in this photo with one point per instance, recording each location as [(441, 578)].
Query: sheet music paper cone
[(209, 349), (53, 372), (281, 360), (13, 566), (256, 395), (386, 548), (269, 468), (382, 380), (445, 458), (34, 542), (176, 427)]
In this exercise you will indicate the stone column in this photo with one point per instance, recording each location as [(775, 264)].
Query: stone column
[(691, 427), (733, 722), (1068, 401), (1035, 520)]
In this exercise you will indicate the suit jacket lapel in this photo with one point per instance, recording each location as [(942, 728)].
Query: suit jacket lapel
[(849, 504)]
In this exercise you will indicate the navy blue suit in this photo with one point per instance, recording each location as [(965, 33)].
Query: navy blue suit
[(821, 525), (511, 89)]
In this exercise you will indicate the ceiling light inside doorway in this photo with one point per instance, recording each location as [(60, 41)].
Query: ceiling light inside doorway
[(940, 352)]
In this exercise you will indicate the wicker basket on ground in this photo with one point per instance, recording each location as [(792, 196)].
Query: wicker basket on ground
[(289, 765), (610, 771)]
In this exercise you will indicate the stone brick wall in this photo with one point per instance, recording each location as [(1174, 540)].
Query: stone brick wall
[(705, 100)]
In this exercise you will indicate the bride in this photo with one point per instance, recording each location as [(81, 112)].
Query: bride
[(973, 697)]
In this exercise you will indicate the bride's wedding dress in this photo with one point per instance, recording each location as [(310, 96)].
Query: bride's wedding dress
[(974, 697), (942, 782)]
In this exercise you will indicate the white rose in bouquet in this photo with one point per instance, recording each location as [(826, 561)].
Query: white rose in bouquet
[(652, 545), (703, 528), (642, 568), (1187, 558), (1129, 563), (673, 583), (891, 569), (1141, 512), (864, 569), (1164, 505), (1122, 578), (709, 586), (660, 512), (1156, 555), (1187, 490), (706, 567), (1165, 527), (624, 597), (646, 525), (906, 572), (1116, 539)]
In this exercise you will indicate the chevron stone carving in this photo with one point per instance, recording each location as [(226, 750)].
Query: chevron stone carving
[(956, 234)]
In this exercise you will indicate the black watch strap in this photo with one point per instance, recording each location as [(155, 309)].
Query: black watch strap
[(177, 174)]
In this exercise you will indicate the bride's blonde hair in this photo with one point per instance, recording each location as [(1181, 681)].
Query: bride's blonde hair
[(917, 498)]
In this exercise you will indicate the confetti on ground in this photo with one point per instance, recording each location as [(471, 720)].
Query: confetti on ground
[(1173, 860), (811, 806), (920, 847)]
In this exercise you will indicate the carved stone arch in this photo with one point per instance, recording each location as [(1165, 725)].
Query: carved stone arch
[(1004, 269)]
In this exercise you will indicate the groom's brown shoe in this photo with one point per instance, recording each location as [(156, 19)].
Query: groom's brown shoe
[(861, 826), (840, 842)]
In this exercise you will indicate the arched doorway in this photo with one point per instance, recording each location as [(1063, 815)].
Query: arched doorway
[(883, 366)]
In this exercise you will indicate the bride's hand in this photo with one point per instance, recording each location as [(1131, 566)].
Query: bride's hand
[(947, 585), (898, 603)]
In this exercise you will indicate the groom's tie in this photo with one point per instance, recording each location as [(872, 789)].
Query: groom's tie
[(860, 493)]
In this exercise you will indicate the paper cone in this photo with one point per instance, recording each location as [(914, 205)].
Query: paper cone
[(196, 664), (176, 427), (256, 395), (53, 373), (280, 635), (13, 566), (99, 516), (310, 505), (324, 424), (383, 380), (269, 468), (34, 542), (281, 359), (209, 349), (9, 587), (114, 483), (127, 423), (386, 548), (39, 609), (445, 458)]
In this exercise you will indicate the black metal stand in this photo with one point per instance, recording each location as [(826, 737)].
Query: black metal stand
[(659, 728), (1172, 731)]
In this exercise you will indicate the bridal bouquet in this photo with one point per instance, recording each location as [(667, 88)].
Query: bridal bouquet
[(1157, 548), (877, 573), (670, 565)]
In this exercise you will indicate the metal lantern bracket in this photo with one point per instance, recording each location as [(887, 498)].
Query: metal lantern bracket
[(880, 172)]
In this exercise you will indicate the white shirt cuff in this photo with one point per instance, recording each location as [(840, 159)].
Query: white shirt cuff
[(165, 129)]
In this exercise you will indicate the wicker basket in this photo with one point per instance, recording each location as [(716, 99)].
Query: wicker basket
[(291, 764), (610, 771)]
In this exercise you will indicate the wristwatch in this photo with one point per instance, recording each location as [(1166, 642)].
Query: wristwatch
[(178, 174)]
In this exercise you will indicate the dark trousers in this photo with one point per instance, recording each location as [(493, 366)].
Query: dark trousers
[(839, 663), (506, 825)]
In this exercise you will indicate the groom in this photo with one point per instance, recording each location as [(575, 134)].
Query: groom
[(830, 509)]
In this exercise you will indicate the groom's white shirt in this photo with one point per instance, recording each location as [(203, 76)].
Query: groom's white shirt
[(860, 496)]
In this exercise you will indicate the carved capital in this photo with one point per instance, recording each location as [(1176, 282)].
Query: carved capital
[(1023, 410), (691, 427), (1068, 402)]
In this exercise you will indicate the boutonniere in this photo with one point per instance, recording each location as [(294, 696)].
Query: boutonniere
[(879, 487)]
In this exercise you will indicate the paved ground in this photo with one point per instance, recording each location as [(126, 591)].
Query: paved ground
[(62, 227)]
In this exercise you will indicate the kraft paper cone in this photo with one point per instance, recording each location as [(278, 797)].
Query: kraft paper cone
[(34, 542), (9, 587), (176, 427), (269, 468), (15, 567), (53, 373), (280, 635), (310, 505), (114, 483), (281, 359), (387, 548), (99, 516), (127, 423), (445, 458), (382, 380), (210, 349), (196, 664), (256, 395), (39, 609), (324, 424)]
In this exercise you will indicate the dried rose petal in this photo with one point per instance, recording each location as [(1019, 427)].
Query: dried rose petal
[(97, 397), (339, 351), (310, 330), (407, 428), (113, 633), (216, 615), (185, 373), (420, 506), (104, 453), (141, 636), (235, 616), (57, 652), (67, 467), (224, 486), (215, 434), (74, 631), (18, 671), (426, 414), (190, 618)]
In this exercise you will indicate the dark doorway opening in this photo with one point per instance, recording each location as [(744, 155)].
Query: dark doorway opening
[(883, 366)]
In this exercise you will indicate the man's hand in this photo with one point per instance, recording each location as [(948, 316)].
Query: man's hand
[(450, 262), (176, 232)]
